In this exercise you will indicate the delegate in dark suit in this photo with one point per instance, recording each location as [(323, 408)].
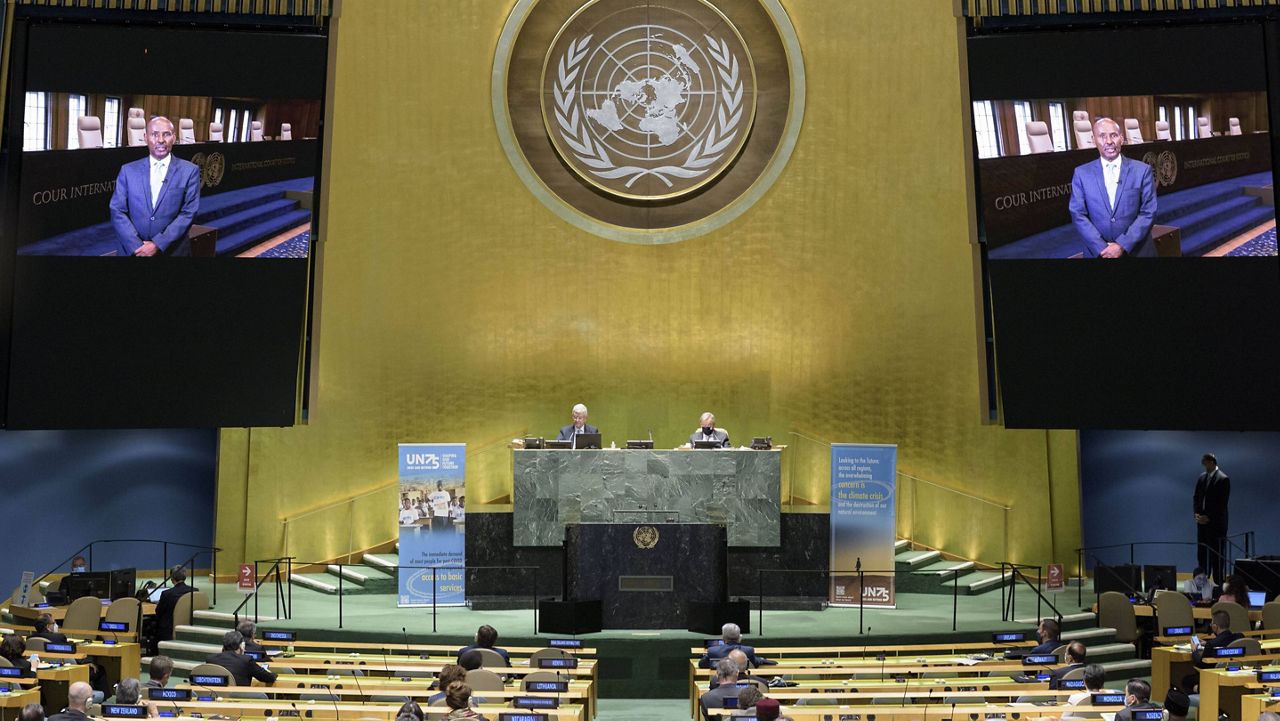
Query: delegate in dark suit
[(1109, 229), (242, 668), (721, 651), (155, 225), (1213, 490), (1129, 222), (165, 607), (567, 433)]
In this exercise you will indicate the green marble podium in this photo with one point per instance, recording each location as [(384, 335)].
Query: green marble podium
[(738, 488)]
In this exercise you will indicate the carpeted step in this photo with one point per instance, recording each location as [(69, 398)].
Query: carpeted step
[(1112, 652), (199, 634), (1090, 637), (227, 621), (219, 206), (930, 578), (1210, 237), (1070, 621), (978, 582), (252, 215), (1124, 670), (181, 667), (910, 560), (386, 562), (321, 582), (902, 544), (189, 650), (1211, 215), (243, 239)]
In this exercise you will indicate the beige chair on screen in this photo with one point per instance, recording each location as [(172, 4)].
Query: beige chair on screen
[(1038, 138), (137, 132), (137, 113), (1079, 115), (89, 131), (1132, 133), (255, 132), (186, 131), (1233, 126), (1203, 129), (286, 131), (215, 132), (1162, 130), (1084, 133)]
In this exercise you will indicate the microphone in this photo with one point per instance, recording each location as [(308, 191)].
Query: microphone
[(295, 709), (355, 676), (337, 715), (651, 435)]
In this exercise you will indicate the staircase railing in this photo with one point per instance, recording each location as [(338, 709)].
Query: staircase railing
[(1247, 548), (87, 552), (1007, 600), (284, 588)]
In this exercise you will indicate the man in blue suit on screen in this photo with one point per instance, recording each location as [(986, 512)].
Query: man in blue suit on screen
[(156, 198), (1113, 199)]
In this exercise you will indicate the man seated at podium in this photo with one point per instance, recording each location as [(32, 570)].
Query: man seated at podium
[(731, 640), (708, 431), (578, 426)]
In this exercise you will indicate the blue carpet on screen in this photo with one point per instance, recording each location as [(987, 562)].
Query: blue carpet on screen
[(243, 218), (1263, 245), (1208, 215)]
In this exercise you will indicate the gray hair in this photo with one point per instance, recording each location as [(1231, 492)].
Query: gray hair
[(731, 633), (128, 691), (726, 670), (707, 415), (579, 408)]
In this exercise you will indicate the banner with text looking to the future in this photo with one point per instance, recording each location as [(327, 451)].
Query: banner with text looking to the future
[(863, 523), (432, 508)]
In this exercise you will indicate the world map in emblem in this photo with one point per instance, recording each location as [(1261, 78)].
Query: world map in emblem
[(649, 109)]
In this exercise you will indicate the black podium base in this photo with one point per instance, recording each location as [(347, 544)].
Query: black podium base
[(570, 617)]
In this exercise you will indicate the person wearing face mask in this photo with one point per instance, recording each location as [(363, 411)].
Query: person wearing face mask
[(1113, 199), (78, 565), (708, 431)]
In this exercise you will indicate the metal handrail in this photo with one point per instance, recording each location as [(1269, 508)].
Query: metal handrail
[(289, 519), (860, 573), (1008, 608), (1226, 559), (987, 501), (164, 544), (260, 579)]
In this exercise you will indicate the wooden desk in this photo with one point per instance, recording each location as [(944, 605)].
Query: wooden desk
[(941, 712), (56, 682), (59, 613), (1169, 664), (1252, 705), (414, 648), (259, 709), (118, 660), (1199, 613), (1221, 692), (11, 702), (892, 650)]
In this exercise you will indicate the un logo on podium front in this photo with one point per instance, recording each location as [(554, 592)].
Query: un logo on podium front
[(648, 121), (646, 537), (645, 106)]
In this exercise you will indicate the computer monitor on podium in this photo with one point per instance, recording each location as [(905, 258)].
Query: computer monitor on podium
[(586, 440)]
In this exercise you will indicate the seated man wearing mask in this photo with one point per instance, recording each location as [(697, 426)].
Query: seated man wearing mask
[(708, 432)]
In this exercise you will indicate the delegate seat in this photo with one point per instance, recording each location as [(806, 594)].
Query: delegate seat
[(1084, 133), (215, 132), (83, 613), (89, 131), (137, 132), (1115, 611), (1233, 126), (1132, 132), (1271, 615), (1038, 138), (186, 131), (1203, 128), (1173, 609), (255, 132), (1239, 616), (1162, 130), (286, 131)]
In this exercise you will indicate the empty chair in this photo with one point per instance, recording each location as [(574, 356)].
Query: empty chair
[(1172, 609), (1077, 115), (187, 605), (215, 132), (137, 113), (35, 644), (125, 610), (83, 614), (255, 132), (1038, 138), (1271, 615), (1084, 133), (1132, 133), (1239, 616), (89, 131), (1162, 130), (483, 680), (1233, 126), (137, 132), (286, 131), (186, 131), (535, 676), (1203, 129), (1115, 611)]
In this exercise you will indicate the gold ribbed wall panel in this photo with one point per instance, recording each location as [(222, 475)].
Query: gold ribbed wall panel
[(456, 307)]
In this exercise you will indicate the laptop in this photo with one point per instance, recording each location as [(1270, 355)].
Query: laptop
[(1257, 599)]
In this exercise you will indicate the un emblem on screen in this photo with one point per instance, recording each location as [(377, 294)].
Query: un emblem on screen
[(649, 105), (648, 121), (645, 537)]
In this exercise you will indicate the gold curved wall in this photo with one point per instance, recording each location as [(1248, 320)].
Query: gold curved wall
[(455, 307)]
